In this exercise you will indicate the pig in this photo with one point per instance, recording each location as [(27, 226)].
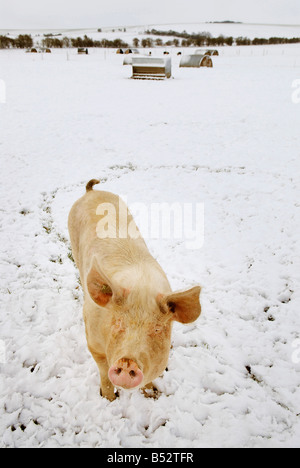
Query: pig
[(129, 306)]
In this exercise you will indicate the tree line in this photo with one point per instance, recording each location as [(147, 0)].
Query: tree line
[(82, 42), (263, 41), (25, 41), (206, 39)]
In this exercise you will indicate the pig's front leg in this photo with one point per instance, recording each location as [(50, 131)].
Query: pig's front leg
[(106, 387), (150, 391)]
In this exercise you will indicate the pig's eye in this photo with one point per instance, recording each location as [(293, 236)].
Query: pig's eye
[(157, 329)]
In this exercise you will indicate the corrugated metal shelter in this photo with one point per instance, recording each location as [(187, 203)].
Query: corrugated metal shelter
[(212, 52), (132, 51), (151, 68), (206, 52), (127, 60), (196, 61), (202, 52), (128, 57)]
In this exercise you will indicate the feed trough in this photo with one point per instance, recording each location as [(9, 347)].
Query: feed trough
[(151, 68)]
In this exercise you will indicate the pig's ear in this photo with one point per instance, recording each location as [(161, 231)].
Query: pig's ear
[(184, 306), (98, 288)]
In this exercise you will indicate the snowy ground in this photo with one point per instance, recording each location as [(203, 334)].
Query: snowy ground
[(227, 137)]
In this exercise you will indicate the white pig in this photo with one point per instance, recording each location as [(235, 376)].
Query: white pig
[(128, 303)]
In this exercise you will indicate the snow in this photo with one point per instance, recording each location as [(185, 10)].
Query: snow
[(227, 137), (129, 32), (234, 29)]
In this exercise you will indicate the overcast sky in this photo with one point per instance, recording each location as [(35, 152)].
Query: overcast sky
[(96, 13)]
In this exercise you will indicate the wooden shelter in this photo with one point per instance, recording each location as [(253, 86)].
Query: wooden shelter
[(196, 61), (151, 68)]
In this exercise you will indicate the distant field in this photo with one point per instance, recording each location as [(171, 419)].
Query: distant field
[(232, 29)]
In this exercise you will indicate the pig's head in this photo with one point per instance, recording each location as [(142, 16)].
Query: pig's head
[(138, 327)]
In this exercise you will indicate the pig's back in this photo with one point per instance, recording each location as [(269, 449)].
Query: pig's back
[(90, 215)]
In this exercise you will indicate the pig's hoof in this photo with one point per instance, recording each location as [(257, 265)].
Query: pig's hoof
[(150, 391), (111, 396)]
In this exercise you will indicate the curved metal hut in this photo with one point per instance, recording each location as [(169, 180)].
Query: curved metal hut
[(128, 56), (127, 60), (196, 61), (212, 52), (201, 52)]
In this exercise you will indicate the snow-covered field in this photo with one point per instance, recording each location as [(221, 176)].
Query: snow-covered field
[(128, 33), (227, 137), (234, 29)]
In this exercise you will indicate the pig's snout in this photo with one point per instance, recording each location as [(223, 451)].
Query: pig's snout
[(125, 373)]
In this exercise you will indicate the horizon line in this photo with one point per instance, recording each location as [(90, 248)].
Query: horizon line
[(146, 25)]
